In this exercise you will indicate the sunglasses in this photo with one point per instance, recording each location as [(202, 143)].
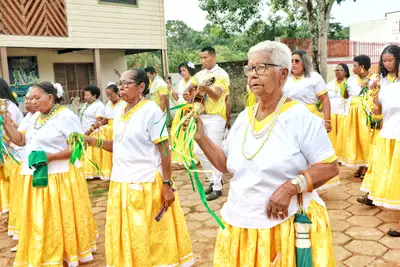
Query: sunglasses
[(296, 60)]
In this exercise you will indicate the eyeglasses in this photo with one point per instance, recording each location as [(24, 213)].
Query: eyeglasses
[(296, 60), (125, 83), (260, 68)]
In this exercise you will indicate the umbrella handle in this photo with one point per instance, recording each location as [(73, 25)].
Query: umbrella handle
[(300, 201), (278, 256)]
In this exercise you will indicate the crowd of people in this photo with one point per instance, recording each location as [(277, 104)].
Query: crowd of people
[(283, 147)]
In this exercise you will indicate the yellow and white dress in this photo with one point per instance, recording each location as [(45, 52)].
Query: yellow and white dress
[(89, 114), (16, 179), (158, 88), (107, 130), (382, 182), (6, 169), (182, 85), (298, 139), (214, 119), (133, 236), (306, 90), (355, 151), (55, 223)]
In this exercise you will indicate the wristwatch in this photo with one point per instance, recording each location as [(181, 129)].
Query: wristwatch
[(168, 182), (295, 182)]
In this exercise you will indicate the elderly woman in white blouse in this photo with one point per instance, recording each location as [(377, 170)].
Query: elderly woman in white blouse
[(275, 151)]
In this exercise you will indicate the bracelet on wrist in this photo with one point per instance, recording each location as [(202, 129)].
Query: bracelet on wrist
[(310, 186)]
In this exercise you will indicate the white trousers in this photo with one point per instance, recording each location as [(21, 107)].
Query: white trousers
[(214, 127)]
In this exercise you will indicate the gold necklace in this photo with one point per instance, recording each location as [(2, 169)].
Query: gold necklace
[(45, 117), (268, 131)]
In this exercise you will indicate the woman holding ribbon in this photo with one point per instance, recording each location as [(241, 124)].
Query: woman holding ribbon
[(56, 223), (280, 154), (141, 185)]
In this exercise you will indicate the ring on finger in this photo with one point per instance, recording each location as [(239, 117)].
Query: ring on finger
[(280, 213)]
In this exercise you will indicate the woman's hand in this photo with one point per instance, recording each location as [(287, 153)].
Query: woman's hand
[(200, 131), (328, 126), (90, 140), (168, 196), (279, 202)]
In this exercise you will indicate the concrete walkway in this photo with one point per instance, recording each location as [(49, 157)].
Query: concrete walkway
[(358, 231)]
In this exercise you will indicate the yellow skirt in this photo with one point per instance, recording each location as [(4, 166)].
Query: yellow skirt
[(135, 238), (55, 223), (354, 136), (15, 181), (4, 191), (106, 157), (240, 247), (382, 179), (94, 154), (313, 108)]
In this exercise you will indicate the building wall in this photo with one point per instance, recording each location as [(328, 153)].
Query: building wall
[(383, 30), (110, 60), (98, 25)]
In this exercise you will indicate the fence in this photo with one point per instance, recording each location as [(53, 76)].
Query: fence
[(343, 50)]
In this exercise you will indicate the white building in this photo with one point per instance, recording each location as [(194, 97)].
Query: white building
[(381, 30), (76, 42)]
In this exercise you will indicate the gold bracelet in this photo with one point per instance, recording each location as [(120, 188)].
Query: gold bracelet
[(310, 186)]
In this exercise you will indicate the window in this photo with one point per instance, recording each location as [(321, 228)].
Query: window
[(125, 2)]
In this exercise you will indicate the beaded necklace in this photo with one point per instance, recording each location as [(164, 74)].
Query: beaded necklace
[(266, 130), (45, 117)]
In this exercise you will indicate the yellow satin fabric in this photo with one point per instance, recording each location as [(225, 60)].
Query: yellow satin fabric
[(239, 247), (355, 136), (135, 238), (4, 191), (176, 157), (55, 223), (106, 157), (382, 179), (95, 155), (15, 181), (313, 108)]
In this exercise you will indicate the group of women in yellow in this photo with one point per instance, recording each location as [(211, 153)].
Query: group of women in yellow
[(277, 150)]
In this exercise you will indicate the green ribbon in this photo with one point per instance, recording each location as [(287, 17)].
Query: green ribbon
[(78, 150), (343, 88), (4, 148)]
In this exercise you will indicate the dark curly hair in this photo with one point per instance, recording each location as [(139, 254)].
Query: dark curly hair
[(393, 50), (5, 92), (49, 88), (363, 60)]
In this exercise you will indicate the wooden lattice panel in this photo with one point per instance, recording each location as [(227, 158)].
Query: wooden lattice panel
[(33, 17)]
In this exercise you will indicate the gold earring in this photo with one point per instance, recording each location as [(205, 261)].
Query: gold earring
[(362, 70)]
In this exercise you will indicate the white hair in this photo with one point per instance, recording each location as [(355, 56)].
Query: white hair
[(280, 53)]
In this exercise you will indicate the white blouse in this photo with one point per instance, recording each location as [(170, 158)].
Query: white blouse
[(52, 138), (135, 156), (15, 113), (353, 84), (182, 85), (23, 125), (305, 90), (90, 112), (389, 97), (297, 140), (110, 109), (339, 105)]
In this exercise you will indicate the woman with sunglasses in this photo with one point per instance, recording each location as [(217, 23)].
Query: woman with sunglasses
[(145, 224), (356, 132), (55, 219), (308, 87)]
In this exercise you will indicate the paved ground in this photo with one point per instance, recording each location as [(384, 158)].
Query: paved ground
[(358, 231)]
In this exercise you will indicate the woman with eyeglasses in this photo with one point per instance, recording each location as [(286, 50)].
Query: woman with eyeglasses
[(308, 87), (273, 150), (355, 131), (382, 179), (145, 224), (55, 219)]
